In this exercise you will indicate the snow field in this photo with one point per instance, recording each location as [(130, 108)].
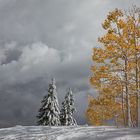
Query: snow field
[(68, 133)]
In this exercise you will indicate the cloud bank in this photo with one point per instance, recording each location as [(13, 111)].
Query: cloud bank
[(41, 39)]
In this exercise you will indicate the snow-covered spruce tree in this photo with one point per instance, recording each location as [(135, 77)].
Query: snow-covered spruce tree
[(66, 113), (49, 113)]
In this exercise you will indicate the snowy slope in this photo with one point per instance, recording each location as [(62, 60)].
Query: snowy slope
[(68, 133)]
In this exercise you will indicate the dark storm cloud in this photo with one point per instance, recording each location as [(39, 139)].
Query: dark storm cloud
[(41, 39), (11, 55)]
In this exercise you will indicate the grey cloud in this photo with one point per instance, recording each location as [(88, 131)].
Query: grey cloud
[(34, 61), (11, 55), (41, 39)]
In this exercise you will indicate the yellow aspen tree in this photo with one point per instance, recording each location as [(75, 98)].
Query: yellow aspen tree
[(133, 19), (116, 64)]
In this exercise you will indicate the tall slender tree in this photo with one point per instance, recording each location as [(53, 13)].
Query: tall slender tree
[(134, 33), (117, 62), (66, 115), (49, 113)]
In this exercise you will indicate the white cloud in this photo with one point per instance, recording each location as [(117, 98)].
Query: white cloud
[(35, 61)]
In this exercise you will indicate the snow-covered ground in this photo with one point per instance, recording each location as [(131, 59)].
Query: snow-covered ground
[(68, 133)]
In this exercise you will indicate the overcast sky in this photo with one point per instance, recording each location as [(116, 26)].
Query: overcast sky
[(41, 39)]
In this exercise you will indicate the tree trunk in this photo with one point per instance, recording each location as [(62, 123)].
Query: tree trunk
[(137, 93), (123, 110), (128, 108), (136, 65)]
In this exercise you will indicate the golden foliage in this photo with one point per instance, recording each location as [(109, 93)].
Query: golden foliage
[(114, 69)]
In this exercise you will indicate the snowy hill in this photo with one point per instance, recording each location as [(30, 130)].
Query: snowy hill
[(68, 133)]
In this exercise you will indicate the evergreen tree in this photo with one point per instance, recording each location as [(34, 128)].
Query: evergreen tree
[(66, 115), (49, 113)]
